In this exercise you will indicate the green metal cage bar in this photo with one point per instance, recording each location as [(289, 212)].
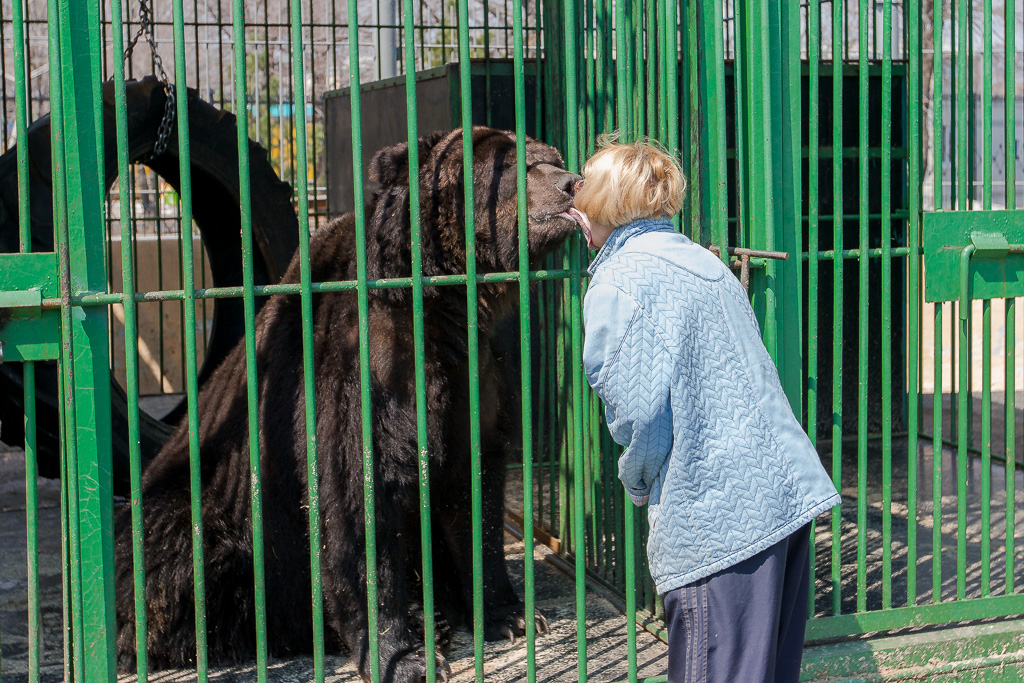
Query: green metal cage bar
[(128, 288), (192, 388), (362, 294)]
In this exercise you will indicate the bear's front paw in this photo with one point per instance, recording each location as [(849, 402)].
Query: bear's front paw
[(512, 623), (442, 629)]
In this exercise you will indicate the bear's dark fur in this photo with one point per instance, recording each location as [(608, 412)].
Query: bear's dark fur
[(224, 441)]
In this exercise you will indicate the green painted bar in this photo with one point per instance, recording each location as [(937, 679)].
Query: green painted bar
[(419, 359), (83, 259), (914, 286), (525, 344), (628, 511), (908, 617), (575, 248), (249, 307), (937, 460), (813, 227), (191, 370), (886, 304), (292, 288), (740, 78), (65, 536), (362, 296), (588, 38), (35, 619), (963, 165), (937, 68), (308, 377), (35, 622), (785, 278), (72, 564), (837, 301), (855, 254), (635, 38), (1010, 170), (986, 98), (131, 351), (21, 125), (664, 56), (559, 441), (671, 77), (473, 342), (986, 446), (647, 62), (688, 88), (1011, 436), (712, 86), (963, 131), (546, 414), (964, 327), (1009, 108), (862, 321)]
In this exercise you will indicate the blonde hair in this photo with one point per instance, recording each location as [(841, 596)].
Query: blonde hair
[(625, 182)]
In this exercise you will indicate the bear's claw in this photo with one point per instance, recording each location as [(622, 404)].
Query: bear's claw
[(515, 625)]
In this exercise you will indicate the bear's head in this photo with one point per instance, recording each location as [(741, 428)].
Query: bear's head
[(549, 190)]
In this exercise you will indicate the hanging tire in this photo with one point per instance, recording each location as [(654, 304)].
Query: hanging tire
[(215, 205)]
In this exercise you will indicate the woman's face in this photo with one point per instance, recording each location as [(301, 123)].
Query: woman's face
[(596, 233)]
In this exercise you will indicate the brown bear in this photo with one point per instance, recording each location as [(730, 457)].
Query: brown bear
[(224, 441)]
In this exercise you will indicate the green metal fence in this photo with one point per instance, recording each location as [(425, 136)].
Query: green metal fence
[(874, 143)]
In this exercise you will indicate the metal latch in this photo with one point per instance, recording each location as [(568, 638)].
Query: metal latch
[(743, 262), (984, 245)]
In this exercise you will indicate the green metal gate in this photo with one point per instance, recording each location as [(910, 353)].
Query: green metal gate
[(853, 138)]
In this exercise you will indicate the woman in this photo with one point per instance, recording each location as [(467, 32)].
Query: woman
[(712, 446)]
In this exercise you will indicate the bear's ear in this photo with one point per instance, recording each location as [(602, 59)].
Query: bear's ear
[(390, 166)]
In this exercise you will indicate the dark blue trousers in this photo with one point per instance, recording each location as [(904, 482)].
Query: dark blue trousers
[(744, 624)]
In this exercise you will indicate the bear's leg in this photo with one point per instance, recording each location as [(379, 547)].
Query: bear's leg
[(170, 588), (401, 653), (504, 615), (504, 612)]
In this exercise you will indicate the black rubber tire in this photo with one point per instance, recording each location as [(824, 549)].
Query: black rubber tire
[(215, 200)]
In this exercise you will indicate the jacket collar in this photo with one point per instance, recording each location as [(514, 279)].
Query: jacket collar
[(620, 235)]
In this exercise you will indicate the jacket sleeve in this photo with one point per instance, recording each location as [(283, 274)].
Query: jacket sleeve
[(631, 371)]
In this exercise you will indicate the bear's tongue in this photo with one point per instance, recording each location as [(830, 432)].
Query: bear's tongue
[(581, 220)]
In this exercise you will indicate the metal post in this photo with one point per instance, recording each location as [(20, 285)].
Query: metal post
[(387, 50), (78, 130)]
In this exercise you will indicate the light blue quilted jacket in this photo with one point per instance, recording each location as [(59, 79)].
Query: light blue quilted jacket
[(673, 349)]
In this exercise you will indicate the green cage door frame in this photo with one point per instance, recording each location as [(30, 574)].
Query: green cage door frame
[(44, 319)]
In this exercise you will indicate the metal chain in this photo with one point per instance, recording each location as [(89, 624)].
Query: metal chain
[(167, 122)]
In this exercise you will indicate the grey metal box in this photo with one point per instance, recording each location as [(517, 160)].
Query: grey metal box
[(438, 107)]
